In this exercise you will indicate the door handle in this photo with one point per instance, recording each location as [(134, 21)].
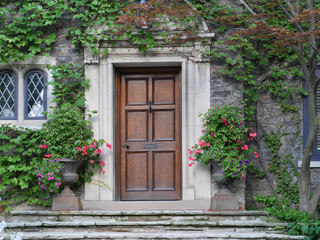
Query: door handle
[(126, 146), (150, 110)]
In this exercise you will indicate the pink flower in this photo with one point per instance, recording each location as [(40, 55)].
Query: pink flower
[(190, 151), (84, 153), (200, 142), (239, 141), (103, 172), (245, 147), (190, 164), (256, 154), (90, 161), (48, 155), (44, 146), (224, 121), (98, 151), (80, 149), (212, 134), (253, 134), (108, 145), (192, 159), (198, 151), (101, 163)]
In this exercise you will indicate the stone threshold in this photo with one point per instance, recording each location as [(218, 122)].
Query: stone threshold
[(146, 205)]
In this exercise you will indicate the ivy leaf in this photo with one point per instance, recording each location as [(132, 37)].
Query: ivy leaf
[(51, 39)]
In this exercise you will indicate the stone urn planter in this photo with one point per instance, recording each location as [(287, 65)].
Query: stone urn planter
[(224, 199), (67, 200)]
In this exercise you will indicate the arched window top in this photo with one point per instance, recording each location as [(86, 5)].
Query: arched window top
[(8, 95), (36, 94)]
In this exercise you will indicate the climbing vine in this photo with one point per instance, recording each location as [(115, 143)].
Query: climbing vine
[(20, 153)]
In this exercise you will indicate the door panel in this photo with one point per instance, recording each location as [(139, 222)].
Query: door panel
[(163, 125), (136, 91), (136, 171), (163, 91), (149, 128), (136, 125), (164, 171)]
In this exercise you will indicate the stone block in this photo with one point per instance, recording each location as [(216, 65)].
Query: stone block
[(66, 203), (224, 202)]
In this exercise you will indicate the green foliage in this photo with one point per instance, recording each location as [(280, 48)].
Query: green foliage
[(90, 16), (20, 154), (26, 27), (30, 27), (65, 129), (311, 229), (69, 82), (284, 205)]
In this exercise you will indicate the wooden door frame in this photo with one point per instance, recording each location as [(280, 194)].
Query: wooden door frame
[(140, 70)]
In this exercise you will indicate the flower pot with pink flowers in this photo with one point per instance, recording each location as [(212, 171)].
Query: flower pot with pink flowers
[(224, 144), (68, 143)]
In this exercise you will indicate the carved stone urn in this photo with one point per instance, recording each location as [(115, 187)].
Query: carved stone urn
[(224, 199), (67, 200)]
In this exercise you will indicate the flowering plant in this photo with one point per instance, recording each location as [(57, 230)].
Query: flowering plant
[(223, 140), (90, 154), (49, 175)]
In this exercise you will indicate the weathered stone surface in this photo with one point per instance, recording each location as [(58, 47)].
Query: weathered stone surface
[(171, 235)]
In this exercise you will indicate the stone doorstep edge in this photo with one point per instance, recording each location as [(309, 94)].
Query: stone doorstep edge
[(243, 224), (142, 213), (175, 235)]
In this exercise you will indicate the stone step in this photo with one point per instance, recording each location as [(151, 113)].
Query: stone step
[(139, 215), (149, 235), (159, 224), (145, 223)]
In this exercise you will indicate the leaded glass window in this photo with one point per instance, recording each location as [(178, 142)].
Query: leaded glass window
[(36, 94), (8, 95)]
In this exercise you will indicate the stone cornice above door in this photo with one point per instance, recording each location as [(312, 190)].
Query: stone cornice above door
[(123, 48)]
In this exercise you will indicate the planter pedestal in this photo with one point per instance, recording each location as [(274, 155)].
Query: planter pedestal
[(224, 199), (67, 200)]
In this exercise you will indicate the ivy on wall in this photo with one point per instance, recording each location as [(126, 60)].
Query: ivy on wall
[(20, 153)]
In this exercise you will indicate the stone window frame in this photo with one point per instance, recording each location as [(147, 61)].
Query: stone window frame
[(315, 159), (15, 95), (21, 69)]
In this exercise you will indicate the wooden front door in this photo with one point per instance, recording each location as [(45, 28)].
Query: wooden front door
[(149, 128)]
